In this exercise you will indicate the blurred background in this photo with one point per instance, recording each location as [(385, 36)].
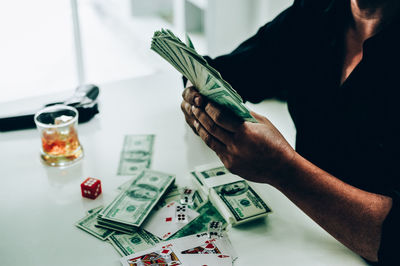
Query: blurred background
[(54, 45)]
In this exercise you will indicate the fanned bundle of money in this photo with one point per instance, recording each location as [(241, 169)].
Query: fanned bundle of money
[(195, 68), (132, 206), (233, 196)]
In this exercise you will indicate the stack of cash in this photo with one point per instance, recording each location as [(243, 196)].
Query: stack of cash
[(132, 206), (196, 69), (231, 195), (89, 224)]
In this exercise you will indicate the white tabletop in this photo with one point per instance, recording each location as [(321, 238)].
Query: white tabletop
[(39, 205)]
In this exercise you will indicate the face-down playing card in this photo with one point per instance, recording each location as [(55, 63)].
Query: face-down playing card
[(163, 222)]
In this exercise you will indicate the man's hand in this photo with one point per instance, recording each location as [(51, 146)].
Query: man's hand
[(190, 97), (255, 151)]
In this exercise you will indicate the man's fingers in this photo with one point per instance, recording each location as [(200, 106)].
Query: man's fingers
[(259, 117), (192, 96), (211, 142), (212, 128), (189, 117), (223, 117), (186, 108)]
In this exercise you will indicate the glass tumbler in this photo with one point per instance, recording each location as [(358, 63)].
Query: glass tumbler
[(57, 127)]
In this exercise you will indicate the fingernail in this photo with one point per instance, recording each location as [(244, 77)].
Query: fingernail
[(195, 110), (197, 101), (195, 123)]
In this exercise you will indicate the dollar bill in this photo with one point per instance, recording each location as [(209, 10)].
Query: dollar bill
[(195, 68), (216, 171), (211, 175), (133, 205), (238, 202), (88, 224), (136, 154), (127, 244)]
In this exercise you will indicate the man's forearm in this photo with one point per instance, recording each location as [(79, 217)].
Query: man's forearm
[(352, 216)]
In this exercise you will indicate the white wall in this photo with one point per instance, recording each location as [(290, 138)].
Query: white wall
[(229, 22)]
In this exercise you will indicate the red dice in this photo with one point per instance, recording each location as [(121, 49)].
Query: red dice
[(91, 188)]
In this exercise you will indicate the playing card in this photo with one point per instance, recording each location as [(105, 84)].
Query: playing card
[(162, 223), (205, 260), (163, 255), (200, 244), (194, 250), (167, 255)]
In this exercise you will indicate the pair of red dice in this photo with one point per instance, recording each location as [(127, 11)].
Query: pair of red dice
[(91, 188)]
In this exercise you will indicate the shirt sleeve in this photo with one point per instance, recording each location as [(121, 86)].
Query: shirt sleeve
[(256, 68), (389, 249)]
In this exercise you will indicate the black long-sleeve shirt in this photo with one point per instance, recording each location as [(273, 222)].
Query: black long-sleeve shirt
[(349, 130)]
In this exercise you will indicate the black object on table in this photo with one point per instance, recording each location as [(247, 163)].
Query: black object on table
[(84, 100)]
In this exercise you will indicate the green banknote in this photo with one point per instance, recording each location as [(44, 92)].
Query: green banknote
[(136, 154), (238, 202), (127, 244), (195, 68), (133, 205), (216, 171), (88, 224)]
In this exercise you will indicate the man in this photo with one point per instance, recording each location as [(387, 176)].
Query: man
[(336, 63)]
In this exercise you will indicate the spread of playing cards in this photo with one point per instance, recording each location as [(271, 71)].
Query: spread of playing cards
[(152, 221)]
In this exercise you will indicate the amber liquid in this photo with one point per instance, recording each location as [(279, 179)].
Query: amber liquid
[(60, 147)]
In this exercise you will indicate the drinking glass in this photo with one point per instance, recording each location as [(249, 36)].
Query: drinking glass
[(57, 127)]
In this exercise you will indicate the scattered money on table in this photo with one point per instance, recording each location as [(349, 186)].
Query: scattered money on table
[(136, 154), (154, 220), (195, 68)]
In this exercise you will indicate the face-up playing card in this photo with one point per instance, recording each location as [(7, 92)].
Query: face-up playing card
[(205, 260), (201, 244), (161, 255), (163, 223), (167, 255)]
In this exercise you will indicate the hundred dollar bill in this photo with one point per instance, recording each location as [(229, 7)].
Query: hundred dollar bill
[(88, 224), (133, 205), (127, 244), (136, 154), (211, 175), (238, 202), (195, 68), (174, 194)]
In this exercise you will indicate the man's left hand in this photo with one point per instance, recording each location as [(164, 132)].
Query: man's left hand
[(255, 151)]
